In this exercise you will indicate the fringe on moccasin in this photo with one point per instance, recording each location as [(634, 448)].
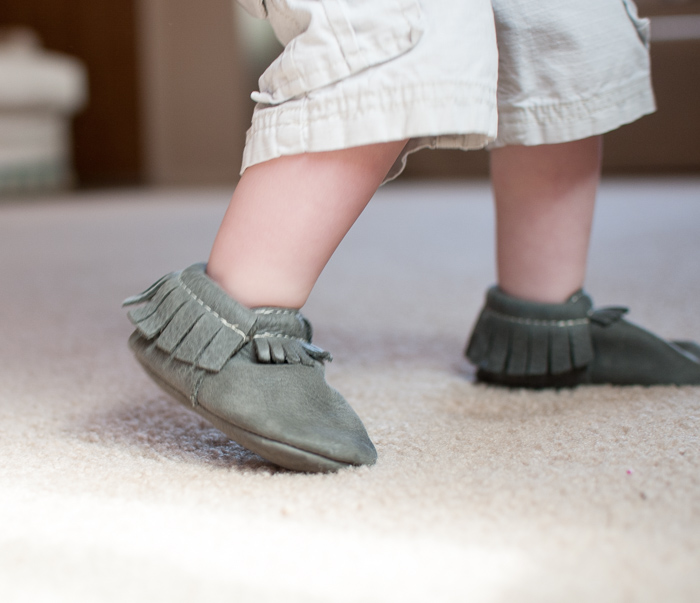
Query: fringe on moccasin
[(526, 344), (192, 331), (531, 339)]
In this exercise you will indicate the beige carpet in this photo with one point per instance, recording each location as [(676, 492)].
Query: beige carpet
[(111, 492)]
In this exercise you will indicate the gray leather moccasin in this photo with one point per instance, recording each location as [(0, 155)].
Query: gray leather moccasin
[(525, 344), (253, 373)]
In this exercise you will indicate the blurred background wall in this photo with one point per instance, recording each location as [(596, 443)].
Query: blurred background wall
[(169, 85), (107, 138)]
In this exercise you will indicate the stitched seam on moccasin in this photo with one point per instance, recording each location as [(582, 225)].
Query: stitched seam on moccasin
[(538, 322), (277, 335), (276, 311), (233, 327), (194, 398)]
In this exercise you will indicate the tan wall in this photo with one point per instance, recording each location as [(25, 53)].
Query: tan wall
[(194, 108)]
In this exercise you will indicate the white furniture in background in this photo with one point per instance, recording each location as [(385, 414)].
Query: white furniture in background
[(40, 91)]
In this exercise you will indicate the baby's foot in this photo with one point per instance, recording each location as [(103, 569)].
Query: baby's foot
[(254, 374), (526, 344)]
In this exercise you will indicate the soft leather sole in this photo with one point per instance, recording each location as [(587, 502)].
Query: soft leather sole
[(564, 381), (689, 346), (276, 452)]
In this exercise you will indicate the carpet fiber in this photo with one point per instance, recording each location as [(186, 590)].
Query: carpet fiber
[(110, 491)]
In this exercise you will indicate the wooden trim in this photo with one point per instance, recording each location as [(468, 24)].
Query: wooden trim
[(654, 8)]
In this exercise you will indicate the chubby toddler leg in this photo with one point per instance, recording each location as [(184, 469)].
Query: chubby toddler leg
[(545, 196), (286, 218), (538, 328), (230, 342)]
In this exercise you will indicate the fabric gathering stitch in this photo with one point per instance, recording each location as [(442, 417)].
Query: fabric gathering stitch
[(536, 322)]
